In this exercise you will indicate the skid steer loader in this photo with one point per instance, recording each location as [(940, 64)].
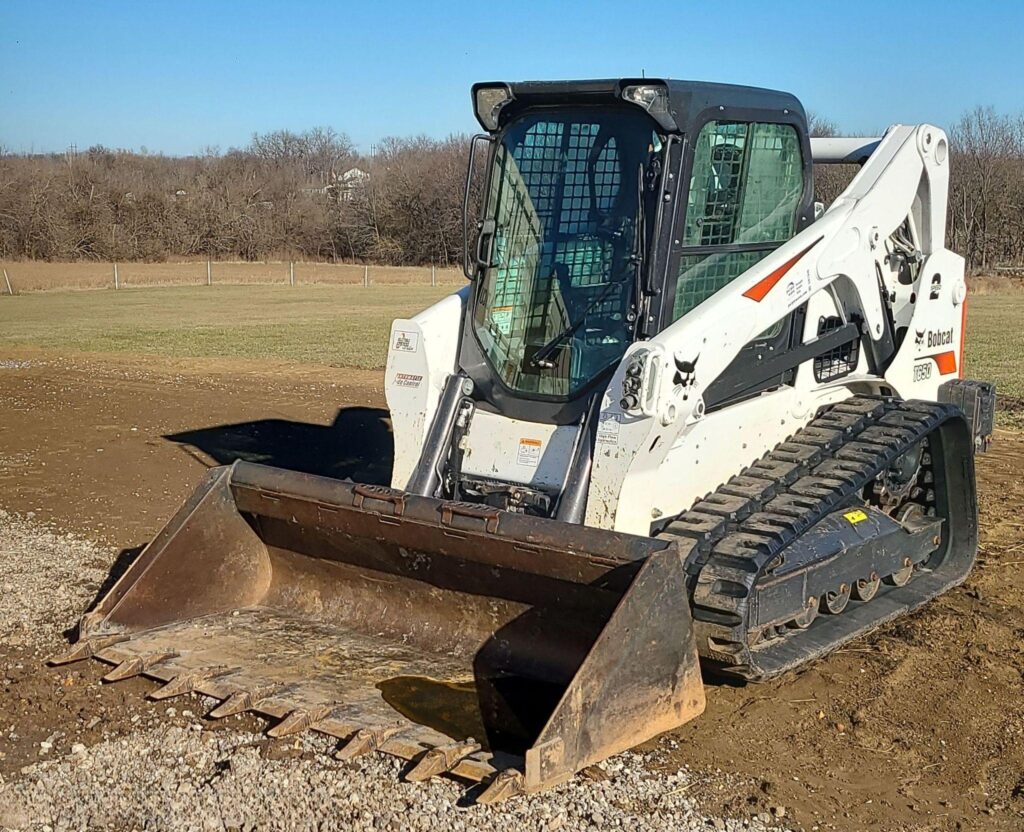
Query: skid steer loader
[(680, 417)]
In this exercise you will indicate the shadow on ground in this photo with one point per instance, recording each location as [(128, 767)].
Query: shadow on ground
[(358, 445)]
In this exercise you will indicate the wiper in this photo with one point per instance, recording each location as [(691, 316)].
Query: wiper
[(540, 358)]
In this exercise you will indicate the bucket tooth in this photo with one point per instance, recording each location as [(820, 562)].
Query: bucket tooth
[(187, 682), (137, 665), (505, 784), (235, 704), (86, 648), (299, 720), (364, 741), (243, 700), (442, 759)]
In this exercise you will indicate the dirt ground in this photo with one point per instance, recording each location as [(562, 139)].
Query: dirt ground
[(918, 727)]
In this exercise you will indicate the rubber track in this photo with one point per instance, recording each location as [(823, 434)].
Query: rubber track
[(744, 526)]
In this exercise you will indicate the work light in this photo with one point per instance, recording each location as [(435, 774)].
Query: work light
[(654, 99), (488, 102)]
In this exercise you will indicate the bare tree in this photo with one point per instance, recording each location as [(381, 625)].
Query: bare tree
[(986, 219), (310, 194)]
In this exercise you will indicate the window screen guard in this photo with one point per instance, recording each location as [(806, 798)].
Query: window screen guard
[(745, 190), (564, 203)]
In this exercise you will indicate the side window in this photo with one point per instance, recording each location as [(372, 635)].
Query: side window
[(744, 193)]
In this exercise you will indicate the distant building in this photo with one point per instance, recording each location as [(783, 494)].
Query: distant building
[(351, 181), (342, 186)]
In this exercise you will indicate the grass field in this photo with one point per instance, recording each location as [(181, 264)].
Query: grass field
[(344, 325), (995, 344)]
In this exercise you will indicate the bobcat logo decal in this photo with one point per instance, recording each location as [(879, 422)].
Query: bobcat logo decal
[(686, 372)]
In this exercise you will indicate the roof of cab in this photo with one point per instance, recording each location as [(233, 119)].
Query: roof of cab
[(687, 99)]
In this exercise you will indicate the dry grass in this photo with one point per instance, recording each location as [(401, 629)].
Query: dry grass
[(347, 325), (995, 350), (35, 276), (994, 284)]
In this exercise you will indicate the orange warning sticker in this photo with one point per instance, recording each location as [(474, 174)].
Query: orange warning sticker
[(529, 452)]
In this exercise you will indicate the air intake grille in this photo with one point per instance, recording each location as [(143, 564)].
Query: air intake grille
[(838, 362)]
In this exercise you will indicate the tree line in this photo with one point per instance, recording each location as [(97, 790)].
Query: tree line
[(305, 195), (311, 195), (985, 219)]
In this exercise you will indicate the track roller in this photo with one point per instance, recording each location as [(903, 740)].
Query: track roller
[(901, 577), (835, 602), (864, 589)]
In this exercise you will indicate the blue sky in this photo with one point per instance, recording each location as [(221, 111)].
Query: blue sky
[(176, 77)]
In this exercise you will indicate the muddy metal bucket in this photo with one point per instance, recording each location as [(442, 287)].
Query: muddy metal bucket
[(492, 646)]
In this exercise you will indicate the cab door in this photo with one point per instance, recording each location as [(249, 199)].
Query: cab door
[(749, 190)]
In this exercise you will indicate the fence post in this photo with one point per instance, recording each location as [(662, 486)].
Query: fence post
[(7, 280), (209, 274), (117, 285), (291, 272), (366, 275), (433, 275)]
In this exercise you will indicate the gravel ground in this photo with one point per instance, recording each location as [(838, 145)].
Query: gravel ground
[(185, 777), (47, 581), (175, 778)]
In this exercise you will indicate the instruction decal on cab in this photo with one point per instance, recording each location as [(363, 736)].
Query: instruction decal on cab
[(608, 429), (405, 341)]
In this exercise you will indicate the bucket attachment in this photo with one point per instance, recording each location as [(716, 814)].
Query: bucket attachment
[(492, 646)]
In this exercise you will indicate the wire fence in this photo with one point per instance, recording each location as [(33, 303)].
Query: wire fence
[(36, 276), (39, 276)]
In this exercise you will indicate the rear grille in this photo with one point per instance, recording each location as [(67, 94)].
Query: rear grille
[(838, 362)]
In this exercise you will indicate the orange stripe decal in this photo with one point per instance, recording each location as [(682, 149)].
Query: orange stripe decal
[(945, 361), (759, 290)]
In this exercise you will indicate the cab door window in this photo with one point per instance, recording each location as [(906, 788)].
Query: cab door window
[(744, 196)]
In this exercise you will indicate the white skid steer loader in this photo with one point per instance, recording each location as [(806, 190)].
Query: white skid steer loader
[(681, 417)]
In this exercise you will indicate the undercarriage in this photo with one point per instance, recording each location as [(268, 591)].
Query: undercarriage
[(861, 516)]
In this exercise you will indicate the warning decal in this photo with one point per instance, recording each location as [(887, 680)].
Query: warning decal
[(855, 516), (529, 452)]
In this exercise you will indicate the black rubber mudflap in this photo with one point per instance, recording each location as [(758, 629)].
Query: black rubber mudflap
[(977, 400)]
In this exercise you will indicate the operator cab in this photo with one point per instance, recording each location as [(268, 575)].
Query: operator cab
[(605, 211), (557, 302), (610, 209)]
